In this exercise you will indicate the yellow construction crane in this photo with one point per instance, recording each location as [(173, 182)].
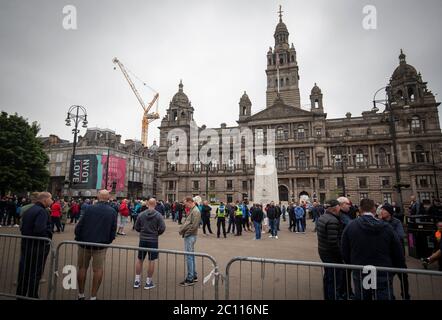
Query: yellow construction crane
[(147, 117)]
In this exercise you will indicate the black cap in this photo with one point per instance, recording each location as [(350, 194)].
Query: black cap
[(388, 208), (332, 203)]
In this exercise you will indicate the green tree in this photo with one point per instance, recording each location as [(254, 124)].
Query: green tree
[(22, 159)]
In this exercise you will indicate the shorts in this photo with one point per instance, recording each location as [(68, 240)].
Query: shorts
[(122, 221), (84, 257), (151, 245)]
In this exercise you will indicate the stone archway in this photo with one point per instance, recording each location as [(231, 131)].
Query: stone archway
[(303, 193), (283, 193)]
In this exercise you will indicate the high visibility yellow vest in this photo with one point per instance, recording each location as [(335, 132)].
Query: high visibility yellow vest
[(238, 211), (220, 214)]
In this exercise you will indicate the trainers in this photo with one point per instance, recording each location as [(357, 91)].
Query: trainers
[(270, 236), (16, 226), (276, 237), (195, 279), (137, 284), (187, 283), (149, 285)]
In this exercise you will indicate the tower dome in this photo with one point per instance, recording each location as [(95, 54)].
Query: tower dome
[(180, 98), (404, 70)]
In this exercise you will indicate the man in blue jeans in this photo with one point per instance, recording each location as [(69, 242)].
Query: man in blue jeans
[(189, 231), (271, 215), (257, 217)]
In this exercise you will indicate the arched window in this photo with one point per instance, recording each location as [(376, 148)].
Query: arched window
[(244, 111), (293, 58), (280, 133), (282, 82), (269, 61), (281, 164), (360, 158), (302, 161), (420, 154), (382, 157), (316, 103), (415, 123), (197, 166), (411, 95), (301, 132)]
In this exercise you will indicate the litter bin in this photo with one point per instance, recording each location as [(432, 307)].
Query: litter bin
[(420, 235)]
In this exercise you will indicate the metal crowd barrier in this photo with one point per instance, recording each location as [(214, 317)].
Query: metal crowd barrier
[(25, 266), (119, 274), (269, 279)]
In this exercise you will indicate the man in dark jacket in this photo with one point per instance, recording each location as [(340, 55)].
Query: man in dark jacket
[(272, 216), (35, 223), (150, 225), (368, 241), (205, 217), (387, 215), (257, 217), (231, 213), (97, 225), (329, 231)]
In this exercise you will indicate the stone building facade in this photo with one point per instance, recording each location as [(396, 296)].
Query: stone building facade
[(315, 155), (140, 162)]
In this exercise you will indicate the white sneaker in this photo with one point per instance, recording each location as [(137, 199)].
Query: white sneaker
[(296, 232), (16, 226), (137, 284), (276, 237), (270, 236)]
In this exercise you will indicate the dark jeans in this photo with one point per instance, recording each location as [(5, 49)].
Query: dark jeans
[(333, 279), (292, 225), (32, 263), (405, 287), (180, 217), (238, 222), (278, 221), (56, 223), (299, 225), (258, 227), (11, 217), (245, 222), (273, 229), (206, 222), (221, 222), (384, 290), (74, 218), (232, 225)]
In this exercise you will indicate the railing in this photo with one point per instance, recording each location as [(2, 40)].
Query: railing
[(119, 273), (23, 272), (25, 260), (258, 278)]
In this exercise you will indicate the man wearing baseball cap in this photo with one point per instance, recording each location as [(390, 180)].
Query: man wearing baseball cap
[(329, 231), (387, 215)]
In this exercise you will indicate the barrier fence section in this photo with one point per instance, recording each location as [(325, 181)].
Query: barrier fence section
[(118, 269), (259, 279), (25, 266)]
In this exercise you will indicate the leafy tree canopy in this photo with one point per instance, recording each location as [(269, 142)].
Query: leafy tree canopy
[(22, 158)]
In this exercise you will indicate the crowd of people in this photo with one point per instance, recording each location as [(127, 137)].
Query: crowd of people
[(365, 234)]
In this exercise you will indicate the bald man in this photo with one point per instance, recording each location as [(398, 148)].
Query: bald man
[(35, 223), (97, 225), (150, 224)]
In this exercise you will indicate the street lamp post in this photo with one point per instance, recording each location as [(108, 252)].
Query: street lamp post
[(75, 114), (434, 172), (391, 122), (341, 160), (207, 167)]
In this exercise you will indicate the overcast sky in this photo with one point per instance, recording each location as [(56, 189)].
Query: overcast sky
[(218, 48)]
